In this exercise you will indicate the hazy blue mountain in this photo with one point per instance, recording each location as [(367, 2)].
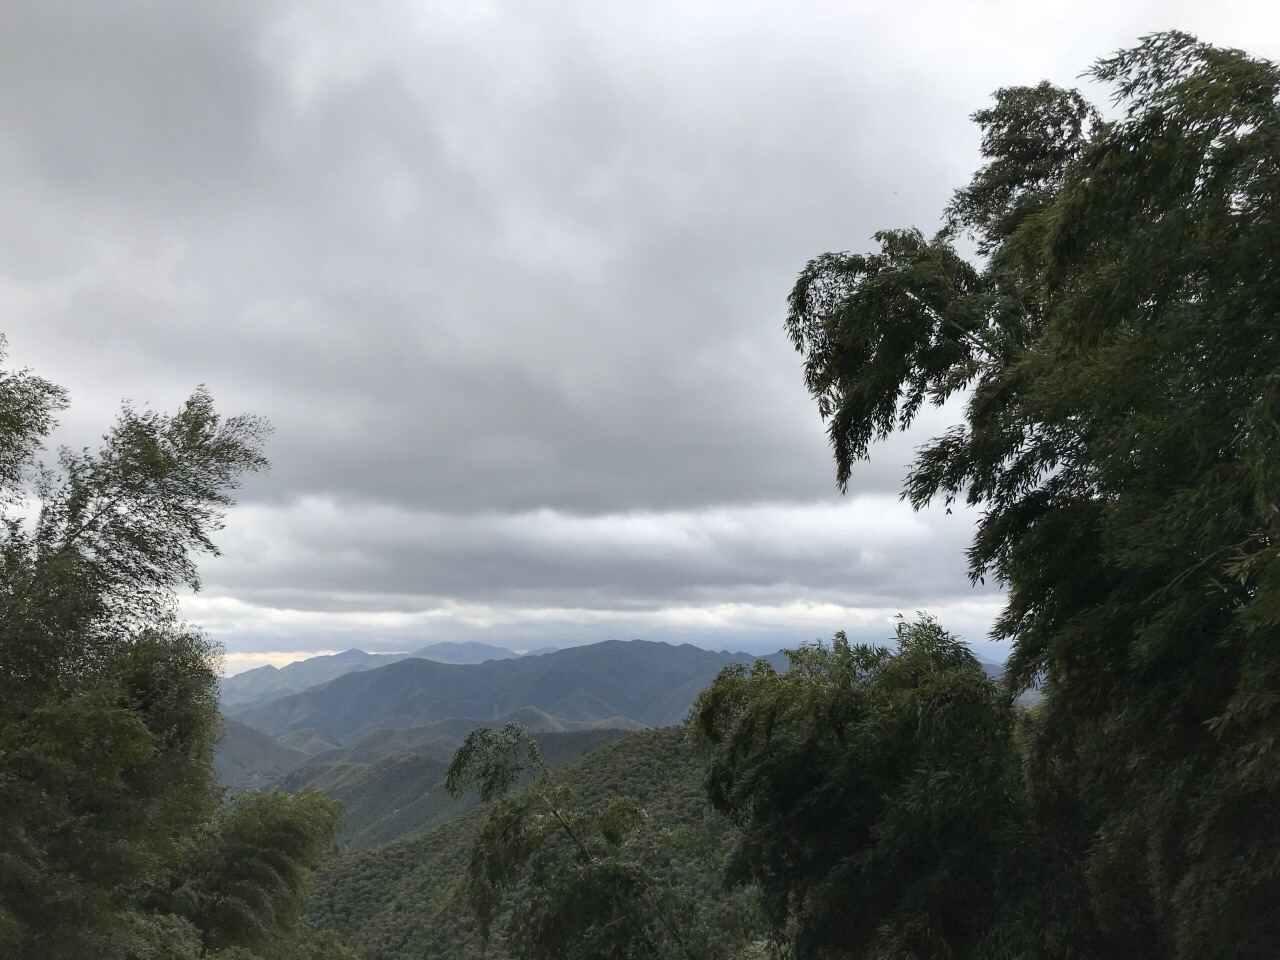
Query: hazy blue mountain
[(248, 758), (539, 651), (309, 742), (649, 683), (466, 652), (269, 682)]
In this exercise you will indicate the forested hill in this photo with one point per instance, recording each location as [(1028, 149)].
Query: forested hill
[(248, 758), (394, 902), (649, 683), (391, 793)]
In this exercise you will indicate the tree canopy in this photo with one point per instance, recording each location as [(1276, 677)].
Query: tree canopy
[(866, 783), (1114, 338), (599, 885), (113, 839)]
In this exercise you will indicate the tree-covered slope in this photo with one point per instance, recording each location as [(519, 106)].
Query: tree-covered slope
[(114, 841), (249, 759), (391, 795), (439, 740), (393, 902)]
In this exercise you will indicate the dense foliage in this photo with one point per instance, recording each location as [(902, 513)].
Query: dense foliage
[(599, 887), (1118, 345), (112, 839), (406, 900), (871, 787)]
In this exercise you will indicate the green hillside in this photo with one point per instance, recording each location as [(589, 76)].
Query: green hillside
[(391, 795), (383, 800), (440, 739), (308, 741), (392, 902), (247, 759)]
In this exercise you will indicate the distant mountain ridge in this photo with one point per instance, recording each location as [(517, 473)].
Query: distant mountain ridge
[(269, 682), (649, 683), (378, 739), (468, 651)]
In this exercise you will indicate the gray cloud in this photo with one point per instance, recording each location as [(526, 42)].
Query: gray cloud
[(509, 280), (856, 550)]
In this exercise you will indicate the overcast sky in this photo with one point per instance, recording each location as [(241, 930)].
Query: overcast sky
[(509, 280)]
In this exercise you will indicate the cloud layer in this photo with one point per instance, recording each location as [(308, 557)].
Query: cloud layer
[(509, 280)]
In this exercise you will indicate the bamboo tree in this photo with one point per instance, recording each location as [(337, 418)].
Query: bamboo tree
[(596, 886)]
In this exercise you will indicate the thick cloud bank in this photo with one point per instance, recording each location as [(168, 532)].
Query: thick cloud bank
[(509, 280)]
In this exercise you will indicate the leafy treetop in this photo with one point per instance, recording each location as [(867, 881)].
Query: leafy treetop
[(1118, 349), (113, 840)]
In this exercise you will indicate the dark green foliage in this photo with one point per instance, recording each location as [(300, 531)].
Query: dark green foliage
[(493, 761), (246, 875), (872, 788), (1120, 351), (108, 708), (598, 887), (400, 901), (99, 784)]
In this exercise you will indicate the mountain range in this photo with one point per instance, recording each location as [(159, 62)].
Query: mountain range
[(618, 683), (268, 682), (379, 736)]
